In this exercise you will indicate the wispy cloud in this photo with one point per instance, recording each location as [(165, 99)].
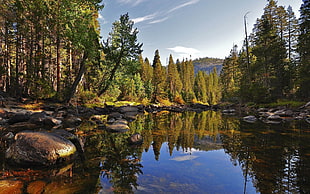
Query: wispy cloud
[(144, 18), (159, 16), (190, 2), (159, 20), (132, 2)]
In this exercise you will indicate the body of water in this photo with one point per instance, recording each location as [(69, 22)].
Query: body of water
[(181, 153)]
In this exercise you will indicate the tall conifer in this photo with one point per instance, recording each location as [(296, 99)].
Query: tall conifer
[(304, 51)]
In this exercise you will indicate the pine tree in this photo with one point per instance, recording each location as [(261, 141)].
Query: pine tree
[(120, 49), (201, 87), (147, 77), (270, 51), (214, 94), (304, 50), (187, 74), (174, 81), (159, 78), (230, 75)]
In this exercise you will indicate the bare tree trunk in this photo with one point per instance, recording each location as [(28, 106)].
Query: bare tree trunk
[(78, 78)]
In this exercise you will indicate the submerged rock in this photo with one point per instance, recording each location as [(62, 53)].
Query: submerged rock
[(40, 149), (11, 186)]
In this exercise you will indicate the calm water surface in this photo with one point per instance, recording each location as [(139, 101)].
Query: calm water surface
[(181, 153)]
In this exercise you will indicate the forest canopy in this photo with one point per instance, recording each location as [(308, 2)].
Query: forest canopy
[(52, 49)]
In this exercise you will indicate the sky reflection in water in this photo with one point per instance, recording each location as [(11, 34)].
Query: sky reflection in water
[(191, 172)]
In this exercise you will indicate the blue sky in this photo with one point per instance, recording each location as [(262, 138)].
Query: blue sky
[(187, 28)]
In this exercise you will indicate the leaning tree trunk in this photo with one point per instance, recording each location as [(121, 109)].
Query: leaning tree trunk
[(78, 78)]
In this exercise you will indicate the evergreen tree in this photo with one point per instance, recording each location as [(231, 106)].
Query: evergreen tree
[(49, 45), (213, 88), (187, 74), (230, 75), (201, 87), (159, 78), (174, 81), (147, 76), (304, 51), (120, 49), (270, 51)]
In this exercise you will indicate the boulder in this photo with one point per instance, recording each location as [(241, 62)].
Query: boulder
[(72, 121), (274, 119), (229, 111), (284, 113), (19, 117), (51, 122), (118, 126), (250, 119), (40, 149), (131, 116), (120, 122), (114, 115), (79, 144), (37, 118), (11, 186), (125, 109), (21, 126)]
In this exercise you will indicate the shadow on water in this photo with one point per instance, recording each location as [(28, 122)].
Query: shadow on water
[(181, 153)]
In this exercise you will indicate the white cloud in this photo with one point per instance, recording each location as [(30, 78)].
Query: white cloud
[(144, 18), (183, 5), (181, 52), (184, 50), (153, 17), (133, 2), (159, 20)]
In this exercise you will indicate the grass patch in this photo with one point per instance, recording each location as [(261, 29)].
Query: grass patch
[(284, 103), (32, 106)]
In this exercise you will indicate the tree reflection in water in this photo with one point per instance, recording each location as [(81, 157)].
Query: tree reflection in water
[(121, 165), (276, 158)]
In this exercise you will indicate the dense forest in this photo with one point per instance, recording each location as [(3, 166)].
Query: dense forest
[(52, 50), (274, 62)]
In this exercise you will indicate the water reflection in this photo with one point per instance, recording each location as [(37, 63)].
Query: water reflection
[(121, 164), (183, 152), (273, 158)]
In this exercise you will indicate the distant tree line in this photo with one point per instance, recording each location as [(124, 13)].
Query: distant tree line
[(177, 82), (274, 62)]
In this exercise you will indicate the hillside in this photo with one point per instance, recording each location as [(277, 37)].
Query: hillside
[(207, 64)]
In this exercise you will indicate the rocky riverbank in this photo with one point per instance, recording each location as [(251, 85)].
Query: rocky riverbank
[(24, 131), (43, 133)]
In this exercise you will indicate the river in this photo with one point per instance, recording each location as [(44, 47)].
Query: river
[(181, 153)]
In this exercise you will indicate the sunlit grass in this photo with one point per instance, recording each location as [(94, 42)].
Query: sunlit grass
[(285, 103), (33, 106)]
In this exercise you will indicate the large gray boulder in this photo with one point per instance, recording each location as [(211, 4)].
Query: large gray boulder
[(40, 149)]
